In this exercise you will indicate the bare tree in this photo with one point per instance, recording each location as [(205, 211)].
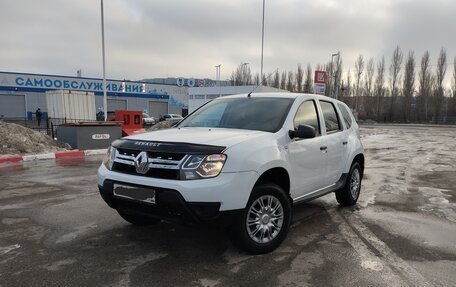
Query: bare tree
[(424, 88), (453, 96), (308, 87), (408, 87), (264, 81), (241, 76), (439, 77), (368, 88), (348, 85), (283, 80), (334, 70), (359, 68), (299, 76), (276, 81), (379, 89), (395, 69), (290, 82), (256, 79), (337, 78)]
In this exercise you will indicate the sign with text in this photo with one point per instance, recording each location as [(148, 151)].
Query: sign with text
[(319, 89), (100, 136), (320, 77)]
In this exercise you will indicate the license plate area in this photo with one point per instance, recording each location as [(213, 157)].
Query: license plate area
[(136, 193)]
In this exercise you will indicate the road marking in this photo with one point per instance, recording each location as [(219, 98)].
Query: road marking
[(375, 255)]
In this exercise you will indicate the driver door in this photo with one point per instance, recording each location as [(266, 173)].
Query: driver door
[(307, 157)]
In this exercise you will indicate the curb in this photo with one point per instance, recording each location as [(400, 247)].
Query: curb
[(56, 155)]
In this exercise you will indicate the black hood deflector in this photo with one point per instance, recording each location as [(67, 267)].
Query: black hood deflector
[(176, 147)]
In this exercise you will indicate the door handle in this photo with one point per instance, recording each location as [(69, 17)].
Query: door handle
[(345, 142), (323, 147)]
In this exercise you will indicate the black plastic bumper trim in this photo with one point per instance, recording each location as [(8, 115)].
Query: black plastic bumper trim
[(170, 205)]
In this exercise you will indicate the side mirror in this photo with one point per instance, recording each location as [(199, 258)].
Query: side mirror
[(302, 132)]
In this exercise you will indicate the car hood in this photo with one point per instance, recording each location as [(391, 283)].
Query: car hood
[(206, 136)]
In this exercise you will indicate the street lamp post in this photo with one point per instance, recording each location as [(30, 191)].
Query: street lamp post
[(105, 98), (217, 78), (244, 72), (333, 94), (262, 45)]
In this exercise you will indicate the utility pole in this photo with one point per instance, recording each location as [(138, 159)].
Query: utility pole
[(105, 98), (262, 45), (244, 72), (217, 77), (333, 94)]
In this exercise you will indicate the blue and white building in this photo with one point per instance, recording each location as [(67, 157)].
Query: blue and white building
[(22, 93)]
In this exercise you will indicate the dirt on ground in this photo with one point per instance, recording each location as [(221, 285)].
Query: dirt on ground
[(16, 139), (163, 125)]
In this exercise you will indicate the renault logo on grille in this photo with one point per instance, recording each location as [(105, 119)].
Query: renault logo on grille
[(142, 163)]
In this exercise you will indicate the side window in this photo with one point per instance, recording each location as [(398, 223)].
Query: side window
[(330, 116), (345, 115), (307, 115)]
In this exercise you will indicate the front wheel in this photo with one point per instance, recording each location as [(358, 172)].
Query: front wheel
[(265, 221), (349, 193)]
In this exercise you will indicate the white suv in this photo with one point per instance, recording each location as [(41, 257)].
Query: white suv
[(243, 160)]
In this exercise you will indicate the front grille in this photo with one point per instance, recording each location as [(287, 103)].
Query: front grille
[(153, 172), (163, 165), (128, 152)]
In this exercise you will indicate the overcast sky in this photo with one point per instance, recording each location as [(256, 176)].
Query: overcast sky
[(146, 39)]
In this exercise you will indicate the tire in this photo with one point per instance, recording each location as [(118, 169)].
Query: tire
[(348, 195), (138, 220), (264, 222)]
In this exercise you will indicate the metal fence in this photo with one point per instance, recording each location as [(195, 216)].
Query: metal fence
[(444, 120), (49, 126), (46, 126)]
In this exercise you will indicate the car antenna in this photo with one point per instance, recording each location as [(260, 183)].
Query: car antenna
[(249, 94)]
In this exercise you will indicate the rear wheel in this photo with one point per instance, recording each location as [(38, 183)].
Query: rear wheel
[(138, 220), (349, 193), (265, 221)]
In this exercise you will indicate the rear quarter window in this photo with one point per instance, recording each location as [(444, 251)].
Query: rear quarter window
[(346, 115)]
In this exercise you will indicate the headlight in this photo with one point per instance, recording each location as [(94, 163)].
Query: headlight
[(109, 157), (200, 166)]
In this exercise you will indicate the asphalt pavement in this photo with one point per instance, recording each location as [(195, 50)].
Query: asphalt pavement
[(55, 230)]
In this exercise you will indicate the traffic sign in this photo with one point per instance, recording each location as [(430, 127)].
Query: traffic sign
[(320, 77), (319, 89)]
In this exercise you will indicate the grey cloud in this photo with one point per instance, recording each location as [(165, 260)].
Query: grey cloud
[(187, 38)]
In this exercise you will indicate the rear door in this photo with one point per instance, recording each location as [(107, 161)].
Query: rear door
[(307, 160), (335, 141)]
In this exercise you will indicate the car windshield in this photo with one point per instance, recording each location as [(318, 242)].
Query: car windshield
[(263, 114)]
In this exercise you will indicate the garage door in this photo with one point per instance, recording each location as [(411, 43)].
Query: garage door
[(116, 105), (158, 109), (12, 106)]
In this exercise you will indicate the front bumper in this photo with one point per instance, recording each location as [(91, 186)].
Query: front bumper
[(205, 200)]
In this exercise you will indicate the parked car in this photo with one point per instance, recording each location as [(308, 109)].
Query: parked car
[(243, 161), (148, 120), (110, 116), (170, 117)]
